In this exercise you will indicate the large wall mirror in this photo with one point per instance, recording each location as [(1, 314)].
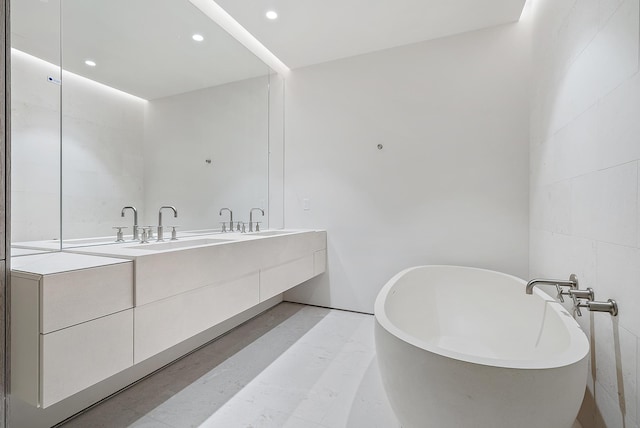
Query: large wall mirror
[(140, 103)]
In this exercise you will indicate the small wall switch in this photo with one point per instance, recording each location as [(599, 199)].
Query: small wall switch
[(306, 204)]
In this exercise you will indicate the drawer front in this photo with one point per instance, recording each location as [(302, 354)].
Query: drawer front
[(162, 324), (279, 279), (74, 297), (77, 357)]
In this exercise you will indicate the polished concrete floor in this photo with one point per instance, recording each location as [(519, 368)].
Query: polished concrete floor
[(294, 366)]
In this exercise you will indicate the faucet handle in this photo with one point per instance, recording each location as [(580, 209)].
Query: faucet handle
[(576, 304), (119, 236), (174, 235), (560, 293)]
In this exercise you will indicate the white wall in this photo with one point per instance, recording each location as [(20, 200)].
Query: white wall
[(102, 153), (227, 124), (35, 149), (585, 151), (450, 185), (102, 157)]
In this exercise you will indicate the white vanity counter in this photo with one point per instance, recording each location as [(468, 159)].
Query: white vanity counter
[(140, 300)]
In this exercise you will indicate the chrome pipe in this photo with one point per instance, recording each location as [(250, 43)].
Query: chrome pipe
[(610, 306)]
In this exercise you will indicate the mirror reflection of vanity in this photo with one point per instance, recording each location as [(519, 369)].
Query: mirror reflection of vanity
[(142, 103)]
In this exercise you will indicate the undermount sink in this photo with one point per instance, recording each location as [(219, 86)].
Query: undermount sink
[(272, 232), (171, 245)]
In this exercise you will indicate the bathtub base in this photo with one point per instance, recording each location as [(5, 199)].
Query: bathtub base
[(429, 390)]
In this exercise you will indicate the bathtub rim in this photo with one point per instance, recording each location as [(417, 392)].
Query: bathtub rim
[(577, 350)]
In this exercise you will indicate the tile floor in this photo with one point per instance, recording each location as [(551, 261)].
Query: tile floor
[(294, 366)]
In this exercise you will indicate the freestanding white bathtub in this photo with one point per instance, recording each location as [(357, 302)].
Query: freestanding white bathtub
[(463, 347)]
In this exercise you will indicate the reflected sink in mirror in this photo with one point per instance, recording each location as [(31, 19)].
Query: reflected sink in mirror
[(200, 232), (89, 241), (172, 245), (272, 232)]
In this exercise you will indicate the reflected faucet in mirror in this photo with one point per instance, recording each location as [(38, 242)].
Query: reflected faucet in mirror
[(135, 220), (251, 219), (175, 214), (230, 219)]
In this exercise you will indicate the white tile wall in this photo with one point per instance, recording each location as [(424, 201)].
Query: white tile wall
[(584, 153), (450, 184)]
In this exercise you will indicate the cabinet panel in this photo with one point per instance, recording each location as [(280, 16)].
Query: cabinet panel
[(77, 357), (70, 298), (164, 323), (276, 280), (25, 345)]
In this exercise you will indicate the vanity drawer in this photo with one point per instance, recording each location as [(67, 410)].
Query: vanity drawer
[(162, 324), (279, 279), (70, 298), (77, 357)]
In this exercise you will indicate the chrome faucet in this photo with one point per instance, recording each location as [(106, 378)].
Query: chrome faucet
[(175, 214), (135, 220), (572, 283), (251, 218), (230, 218)]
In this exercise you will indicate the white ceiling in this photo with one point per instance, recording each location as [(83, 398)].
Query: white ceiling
[(144, 47), (313, 31)]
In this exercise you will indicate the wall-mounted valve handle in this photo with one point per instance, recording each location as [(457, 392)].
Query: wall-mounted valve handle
[(560, 293), (576, 305)]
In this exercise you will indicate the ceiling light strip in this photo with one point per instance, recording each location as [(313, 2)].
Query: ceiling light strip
[(231, 26)]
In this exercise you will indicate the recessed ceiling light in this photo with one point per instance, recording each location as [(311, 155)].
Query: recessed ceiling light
[(197, 37), (271, 15), (90, 63)]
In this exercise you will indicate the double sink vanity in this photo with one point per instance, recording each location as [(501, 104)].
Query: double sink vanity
[(88, 313)]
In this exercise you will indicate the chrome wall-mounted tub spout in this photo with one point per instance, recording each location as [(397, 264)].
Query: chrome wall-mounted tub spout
[(572, 284)]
